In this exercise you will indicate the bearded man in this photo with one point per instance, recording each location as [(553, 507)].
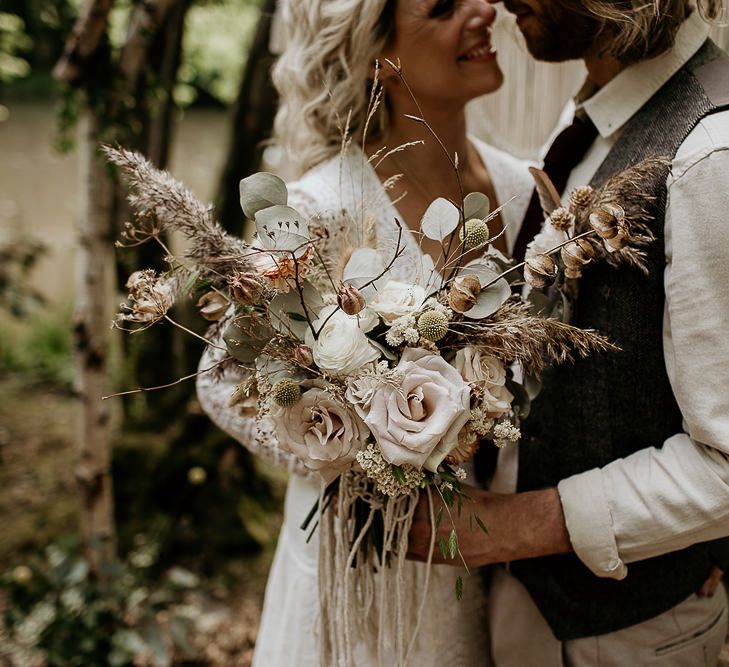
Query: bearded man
[(610, 511)]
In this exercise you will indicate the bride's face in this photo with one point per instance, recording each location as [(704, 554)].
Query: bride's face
[(445, 49)]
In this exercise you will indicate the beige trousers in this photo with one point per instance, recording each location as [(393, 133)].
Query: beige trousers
[(691, 634)]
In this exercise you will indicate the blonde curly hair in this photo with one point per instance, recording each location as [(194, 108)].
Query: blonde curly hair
[(639, 29), (330, 47)]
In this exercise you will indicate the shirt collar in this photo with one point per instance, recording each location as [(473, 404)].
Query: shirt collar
[(617, 101)]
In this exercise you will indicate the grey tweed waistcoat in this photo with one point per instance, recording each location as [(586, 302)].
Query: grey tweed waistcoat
[(611, 405)]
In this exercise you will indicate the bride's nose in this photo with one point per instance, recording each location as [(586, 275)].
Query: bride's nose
[(482, 15)]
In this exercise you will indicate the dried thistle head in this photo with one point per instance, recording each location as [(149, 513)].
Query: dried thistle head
[(474, 234), (433, 325)]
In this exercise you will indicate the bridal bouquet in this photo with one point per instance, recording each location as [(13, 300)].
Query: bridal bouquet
[(382, 388)]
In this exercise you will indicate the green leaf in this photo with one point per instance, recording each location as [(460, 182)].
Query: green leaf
[(459, 588), (190, 282), (438, 519), (443, 547), (453, 543), (398, 474), (481, 524)]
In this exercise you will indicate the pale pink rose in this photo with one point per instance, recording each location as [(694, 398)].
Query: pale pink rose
[(490, 374), (418, 422), (322, 433)]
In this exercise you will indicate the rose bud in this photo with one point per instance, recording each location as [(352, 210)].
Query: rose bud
[(464, 292), (350, 300), (540, 271), (245, 288)]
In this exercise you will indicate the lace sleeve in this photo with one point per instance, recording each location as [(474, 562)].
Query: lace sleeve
[(215, 388), (214, 391)]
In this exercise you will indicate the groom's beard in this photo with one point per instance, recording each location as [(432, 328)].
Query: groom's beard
[(554, 33)]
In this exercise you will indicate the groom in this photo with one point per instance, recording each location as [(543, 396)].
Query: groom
[(607, 511)]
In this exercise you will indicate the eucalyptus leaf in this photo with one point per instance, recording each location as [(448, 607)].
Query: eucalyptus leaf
[(287, 314), (364, 264), (489, 300), (476, 205), (259, 191), (440, 219), (483, 272), (281, 228)]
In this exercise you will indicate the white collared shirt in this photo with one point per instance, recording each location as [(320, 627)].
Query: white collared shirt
[(661, 500)]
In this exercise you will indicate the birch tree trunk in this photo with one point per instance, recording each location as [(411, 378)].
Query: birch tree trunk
[(91, 327)]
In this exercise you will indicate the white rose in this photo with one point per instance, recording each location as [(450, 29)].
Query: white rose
[(342, 346), (397, 299), (488, 372), (418, 422), (322, 433)]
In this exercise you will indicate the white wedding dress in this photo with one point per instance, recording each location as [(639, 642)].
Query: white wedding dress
[(452, 633)]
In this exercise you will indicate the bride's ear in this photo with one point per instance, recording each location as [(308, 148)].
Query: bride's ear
[(382, 69)]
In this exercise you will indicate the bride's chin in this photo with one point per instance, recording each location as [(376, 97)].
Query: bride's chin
[(491, 80)]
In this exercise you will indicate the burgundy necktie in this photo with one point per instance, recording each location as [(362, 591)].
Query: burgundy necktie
[(565, 153)]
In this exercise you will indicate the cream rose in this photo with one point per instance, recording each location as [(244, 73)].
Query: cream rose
[(488, 372), (322, 433), (342, 346), (418, 422), (397, 299)]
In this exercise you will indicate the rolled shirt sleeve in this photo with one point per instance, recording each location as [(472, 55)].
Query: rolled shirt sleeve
[(662, 499)]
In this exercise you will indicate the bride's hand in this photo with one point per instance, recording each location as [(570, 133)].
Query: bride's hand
[(520, 525)]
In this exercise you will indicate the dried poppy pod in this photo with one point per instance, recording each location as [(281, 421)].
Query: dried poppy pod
[(245, 288), (606, 219), (562, 219), (350, 300), (463, 293), (576, 254), (303, 355), (540, 271)]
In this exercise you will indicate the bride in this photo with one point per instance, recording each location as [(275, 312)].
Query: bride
[(323, 77)]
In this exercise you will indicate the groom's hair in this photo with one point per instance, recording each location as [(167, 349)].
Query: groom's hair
[(634, 30)]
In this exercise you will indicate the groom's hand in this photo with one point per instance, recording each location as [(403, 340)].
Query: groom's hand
[(519, 525)]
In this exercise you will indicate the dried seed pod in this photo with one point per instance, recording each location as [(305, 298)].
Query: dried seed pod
[(245, 288), (286, 392), (619, 239), (463, 293), (562, 219), (573, 273), (433, 325), (576, 254), (606, 219), (476, 234), (212, 306), (303, 355), (580, 198), (350, 300), (540, 271), (468, 444)]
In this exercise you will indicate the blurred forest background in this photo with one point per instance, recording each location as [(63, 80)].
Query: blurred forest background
[(133, 532), (166, 565)]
